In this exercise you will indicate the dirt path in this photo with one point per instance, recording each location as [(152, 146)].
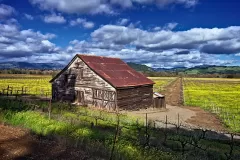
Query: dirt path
[(191, 115), (173, 93), (205, 119), (16, 143), (172, 113)]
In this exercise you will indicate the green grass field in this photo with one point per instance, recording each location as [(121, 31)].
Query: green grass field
[(221, 96), (95, 130)]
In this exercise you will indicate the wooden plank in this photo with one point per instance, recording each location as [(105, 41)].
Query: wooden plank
[(135, 98)]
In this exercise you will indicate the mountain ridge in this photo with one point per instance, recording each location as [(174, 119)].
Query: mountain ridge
[(27, 65)]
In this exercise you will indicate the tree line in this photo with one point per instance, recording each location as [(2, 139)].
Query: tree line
[(29, 71)]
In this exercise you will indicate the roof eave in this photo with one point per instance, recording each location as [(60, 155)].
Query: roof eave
[(133, 86), (65, 68)]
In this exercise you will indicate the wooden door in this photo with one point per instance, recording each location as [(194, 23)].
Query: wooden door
[(80, 97)]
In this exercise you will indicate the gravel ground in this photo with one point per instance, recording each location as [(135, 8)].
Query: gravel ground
[(171, 113)]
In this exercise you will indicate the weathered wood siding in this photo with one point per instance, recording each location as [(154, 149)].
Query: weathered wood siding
[(135, 98), (81, 85)]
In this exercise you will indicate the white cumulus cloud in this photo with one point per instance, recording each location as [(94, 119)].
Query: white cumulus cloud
[(162, 48), (74, 6), (54, 18), (195, 38), (104, 6), (24, 43), (6, 11), (82, 22)]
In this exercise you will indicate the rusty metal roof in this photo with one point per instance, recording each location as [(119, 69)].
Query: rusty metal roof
[(115, 71)]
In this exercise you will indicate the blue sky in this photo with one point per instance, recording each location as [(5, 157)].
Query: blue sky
[(158, 33)]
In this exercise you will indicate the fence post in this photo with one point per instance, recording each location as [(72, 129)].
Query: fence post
[(7, 90), (166, 122), (115, 137), (146, 134), (233, 117), (49, 109), (178, 119), (228, 118)]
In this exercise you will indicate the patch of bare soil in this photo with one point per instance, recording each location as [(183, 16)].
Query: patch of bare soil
[(205, 119), (16, 144), (201, 118)]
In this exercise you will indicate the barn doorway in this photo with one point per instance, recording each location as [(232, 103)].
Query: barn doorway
[(80, 97)]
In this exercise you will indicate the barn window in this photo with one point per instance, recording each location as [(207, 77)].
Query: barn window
[(105, 95), (94, 93), (79, 97), (71, 80)]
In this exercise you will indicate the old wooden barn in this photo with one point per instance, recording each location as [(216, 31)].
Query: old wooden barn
[(102, 82)]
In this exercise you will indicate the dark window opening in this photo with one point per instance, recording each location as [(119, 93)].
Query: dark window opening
[(80, 74), (65, 79)]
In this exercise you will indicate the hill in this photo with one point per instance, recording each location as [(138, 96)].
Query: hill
[(26, 65), (212, 70), (140, 67)]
